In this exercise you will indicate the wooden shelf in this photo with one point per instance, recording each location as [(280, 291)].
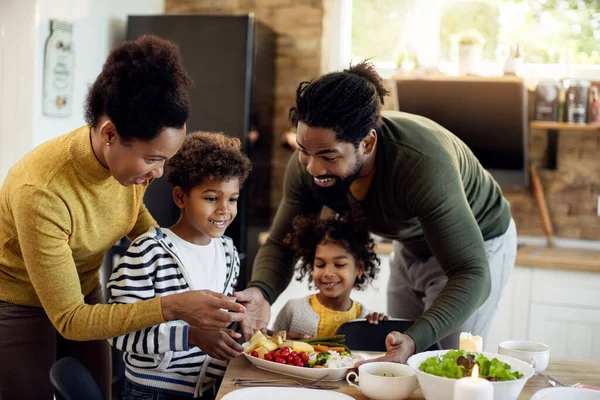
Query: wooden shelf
[(563, 126)]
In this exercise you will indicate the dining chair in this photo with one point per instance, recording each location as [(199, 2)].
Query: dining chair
[(73, 381), (362, 335)]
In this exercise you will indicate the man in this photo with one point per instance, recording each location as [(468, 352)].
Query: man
[(454, 238)]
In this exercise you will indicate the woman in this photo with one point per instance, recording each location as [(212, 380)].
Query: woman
[(68, 201)]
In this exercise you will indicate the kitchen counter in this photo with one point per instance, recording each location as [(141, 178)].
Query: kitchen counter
[(534, 256), (563, 258)]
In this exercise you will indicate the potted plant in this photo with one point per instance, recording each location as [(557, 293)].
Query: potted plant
[(406, 61), (470, 48)]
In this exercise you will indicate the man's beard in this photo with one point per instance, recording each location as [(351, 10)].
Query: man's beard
[(336, 196)]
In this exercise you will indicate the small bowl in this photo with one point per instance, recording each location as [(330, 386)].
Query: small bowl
[(384, 380), (534, 353), (441, 388)]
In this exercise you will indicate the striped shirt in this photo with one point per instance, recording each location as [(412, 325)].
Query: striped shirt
[(159, 357)]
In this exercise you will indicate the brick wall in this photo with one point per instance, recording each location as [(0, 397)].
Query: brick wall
[(299, 28)]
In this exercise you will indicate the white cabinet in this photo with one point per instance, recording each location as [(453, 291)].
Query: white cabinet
[(512, 316), (558, 307), (570, 332)]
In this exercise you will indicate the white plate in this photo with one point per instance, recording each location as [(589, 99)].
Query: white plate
[(332, 374), (565, 393), (277, 393)]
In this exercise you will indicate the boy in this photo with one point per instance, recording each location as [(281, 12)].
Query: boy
[(173, 360)]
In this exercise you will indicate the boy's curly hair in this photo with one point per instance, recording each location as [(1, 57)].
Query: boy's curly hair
[(208, 155), (350, 231)]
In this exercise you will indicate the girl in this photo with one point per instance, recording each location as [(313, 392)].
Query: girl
[(337, 255)]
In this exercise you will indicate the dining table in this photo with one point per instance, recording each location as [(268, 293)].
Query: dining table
[(565, 371)]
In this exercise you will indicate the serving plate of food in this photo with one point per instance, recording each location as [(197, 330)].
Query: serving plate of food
[(326, 358)]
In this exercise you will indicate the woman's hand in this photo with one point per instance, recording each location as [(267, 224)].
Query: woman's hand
[(374, 318), (202, 309), (399, 348), (258, 311), (219, 344)]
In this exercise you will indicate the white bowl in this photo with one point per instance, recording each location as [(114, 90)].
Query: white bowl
[(533, 353), (440, 388), (384, 380)]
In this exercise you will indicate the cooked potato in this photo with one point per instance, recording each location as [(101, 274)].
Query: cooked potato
[(269, 344), (301, 346), (257, 338)]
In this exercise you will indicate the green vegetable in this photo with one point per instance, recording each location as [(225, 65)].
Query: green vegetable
[(329, 341), (337, 339), (457, 364), (320, 360)]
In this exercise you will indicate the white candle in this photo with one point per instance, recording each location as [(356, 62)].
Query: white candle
[(473, 388), (469, 342)]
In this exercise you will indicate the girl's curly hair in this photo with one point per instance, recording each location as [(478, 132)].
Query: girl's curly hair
[(350, 231)]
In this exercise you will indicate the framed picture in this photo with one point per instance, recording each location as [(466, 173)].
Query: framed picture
[(58, 70)]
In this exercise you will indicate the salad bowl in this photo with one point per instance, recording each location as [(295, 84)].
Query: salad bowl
[(441, 388)]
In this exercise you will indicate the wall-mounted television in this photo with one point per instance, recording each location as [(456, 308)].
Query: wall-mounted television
[(488, 115)]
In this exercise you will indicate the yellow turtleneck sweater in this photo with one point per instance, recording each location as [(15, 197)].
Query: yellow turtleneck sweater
[(60, 211), (331, 320)]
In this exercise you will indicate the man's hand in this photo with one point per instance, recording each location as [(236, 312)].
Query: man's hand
[(399, 348), (219, 344), (202, 309), (258, 311), (374, 318)]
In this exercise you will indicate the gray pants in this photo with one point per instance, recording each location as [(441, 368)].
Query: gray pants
[(29, 345), (415, 284)]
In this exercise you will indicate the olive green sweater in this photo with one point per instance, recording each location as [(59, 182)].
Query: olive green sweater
[(60, 210), (430, 193)]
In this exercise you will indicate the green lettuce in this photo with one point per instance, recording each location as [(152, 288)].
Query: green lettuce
[(458, 364)]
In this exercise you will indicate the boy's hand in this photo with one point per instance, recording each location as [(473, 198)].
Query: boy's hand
[(374, 318), (219, 344)]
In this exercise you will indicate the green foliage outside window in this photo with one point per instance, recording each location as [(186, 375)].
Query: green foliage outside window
[(549, 31)]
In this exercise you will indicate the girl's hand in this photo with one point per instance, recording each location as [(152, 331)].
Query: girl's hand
[(374, 318)]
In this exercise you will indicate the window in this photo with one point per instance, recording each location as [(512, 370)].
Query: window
[(393, 32)]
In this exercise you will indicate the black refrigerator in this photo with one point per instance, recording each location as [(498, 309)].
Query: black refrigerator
[(230, 58)]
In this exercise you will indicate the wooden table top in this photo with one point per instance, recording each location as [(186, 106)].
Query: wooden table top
[(565, 371)]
